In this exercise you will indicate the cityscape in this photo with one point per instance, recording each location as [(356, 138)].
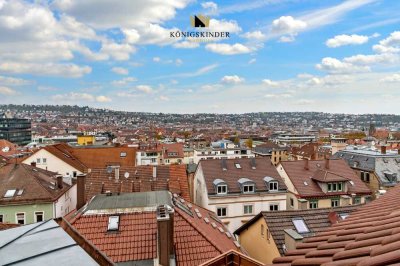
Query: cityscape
[(210, 133)]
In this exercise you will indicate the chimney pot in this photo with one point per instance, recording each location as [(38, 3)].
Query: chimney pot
[(154, 172), (165, 230), (327, 163)]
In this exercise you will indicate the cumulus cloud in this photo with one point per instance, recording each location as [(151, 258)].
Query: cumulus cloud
[(224, 25), (342, 40), (372, 59), (235, 79), (211, 7), (7, 91), (211, 87), (10, 81), (79, 97), (252, 61), (144, 88), (288, 27), (123, 82), (228, 49), (392, 78), (278, 96), (120, 70), (254, 35), (390, 44), (335, 66), (270, 83), (103, 99), (186, 45), (48, 69), (164, 98)]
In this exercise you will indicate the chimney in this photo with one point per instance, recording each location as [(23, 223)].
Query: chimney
[(165, 232), (154, 172), (116, 173), (59, 181), (306, 164), (33, 164), (326, 163), (333, 217), (80, 198), (398, 151), (383, 149)]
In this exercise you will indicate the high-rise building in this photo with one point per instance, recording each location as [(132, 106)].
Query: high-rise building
[(15, 130)]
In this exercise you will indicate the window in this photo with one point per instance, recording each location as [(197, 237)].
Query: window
[(334, 187), (365, 177), (44, 160), (37, 160), (221, 211), (10, 193), (113, 223), (274, 207), (237, 165), (123, 154), (222, 189), (357, 200), (248, 209), (20, 218), (340, 187), (1, 218), (39, 216), (300, 226), (291, 202), (273, 186), (314, 204), (248, 188), (334, 203), (74, 173)]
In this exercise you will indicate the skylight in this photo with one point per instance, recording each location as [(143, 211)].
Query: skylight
[(10, 193), (20, 191), (300, 225), (351, 182), (113, 223), (237, 165)]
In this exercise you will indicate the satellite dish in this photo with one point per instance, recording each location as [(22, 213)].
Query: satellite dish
[(109, 169), (126, 174)]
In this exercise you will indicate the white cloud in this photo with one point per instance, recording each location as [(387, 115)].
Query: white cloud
[(10, 81), (178, 62), (48, 69), (120, 70), (342, 40), (210, 6), (335, 66), (47, 88), (199, 72), (392, 78), (304, 102), (144, 88), (252, 61), (288, 25), (278, 96), (119, 52), (372, 59), (164, 98), (156, 59), (288, 38), (254, 35), (125, 94), (228, 49), (123, 82), (232, 79), (103, 99), (224, 25), (186, 45), (7, 91), (270, 83), (389, 45), (211, 87)]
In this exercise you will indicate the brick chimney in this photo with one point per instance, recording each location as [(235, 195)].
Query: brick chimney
[(326, 163), (165, 234), (80, 197), (306, 164), (59, 181), (116, 169), (383, 149), (33, 164), (333, 217)]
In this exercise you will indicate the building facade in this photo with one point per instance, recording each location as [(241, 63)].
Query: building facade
[(16, 130)]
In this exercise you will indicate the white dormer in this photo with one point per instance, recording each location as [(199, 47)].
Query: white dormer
[(221, 188), (271, 183), (247, 185)]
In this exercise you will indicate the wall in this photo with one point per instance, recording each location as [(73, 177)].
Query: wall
[(67, 202), (259, 247), (53, 163), (9, 212), (200, 189)]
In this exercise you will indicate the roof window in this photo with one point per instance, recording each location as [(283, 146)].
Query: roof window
[(10, 193), (300, 225), (113, 223)]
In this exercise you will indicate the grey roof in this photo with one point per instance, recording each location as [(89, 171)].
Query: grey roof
[(130, 200), (191, 168), (218, 181), (268, 179), (245, 180), (371, 161), (44, 243)]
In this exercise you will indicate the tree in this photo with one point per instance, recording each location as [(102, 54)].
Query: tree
[(249, 143)]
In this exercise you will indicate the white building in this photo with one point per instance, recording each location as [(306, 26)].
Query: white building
[(238, 189), (221, 153)]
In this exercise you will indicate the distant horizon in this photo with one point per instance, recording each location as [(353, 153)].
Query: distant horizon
[(115, 110)]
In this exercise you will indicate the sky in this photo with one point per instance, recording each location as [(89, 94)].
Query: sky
[(281, 55)]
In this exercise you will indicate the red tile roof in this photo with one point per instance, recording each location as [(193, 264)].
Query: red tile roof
[(337, 168), (369, 236), (140, 179), (5, 226)]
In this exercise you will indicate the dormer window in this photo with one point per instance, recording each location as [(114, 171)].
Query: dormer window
[(273, 186), (246, 185), (335, 187), (221, 187)]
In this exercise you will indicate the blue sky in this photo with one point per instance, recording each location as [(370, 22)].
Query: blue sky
[(294, 55)]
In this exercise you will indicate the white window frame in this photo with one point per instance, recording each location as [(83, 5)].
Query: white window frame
[(2, 218), (35, 217), (37, 160), (274, 183), (221, 186), (248, 188), (335, 200), (44, 160), (273, 204), (16, 217), (313, 202), (251, 207), (226, 211)]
